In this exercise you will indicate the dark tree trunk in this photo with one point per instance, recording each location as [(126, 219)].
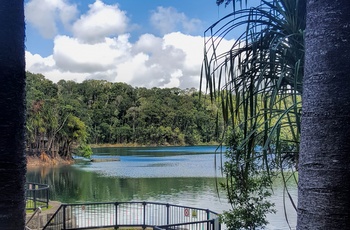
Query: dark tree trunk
[(12, 115), (324, 168)]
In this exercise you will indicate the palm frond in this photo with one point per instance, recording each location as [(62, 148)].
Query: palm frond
[(258, 82)]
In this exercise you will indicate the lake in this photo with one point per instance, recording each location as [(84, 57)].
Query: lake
[(178, 175)]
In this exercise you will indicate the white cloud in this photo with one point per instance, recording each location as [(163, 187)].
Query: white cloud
[(170, 61), (37, 64), (70, 54), (147, 43), (100, 21), (100, 49), (167, 20), (161, 63), (46, 14), (47, 66), (192, 46)]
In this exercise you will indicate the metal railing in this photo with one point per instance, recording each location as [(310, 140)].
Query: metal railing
[(132, 214), (197, 225), (37, 195), (36, 212)]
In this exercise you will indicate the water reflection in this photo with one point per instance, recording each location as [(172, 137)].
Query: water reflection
[(184, 176), (72, 184)]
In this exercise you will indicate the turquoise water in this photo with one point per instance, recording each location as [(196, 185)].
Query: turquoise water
[(178, 175)]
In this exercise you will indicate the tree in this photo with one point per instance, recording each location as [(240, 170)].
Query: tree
[(113, 113), (323, 198), (324, 172), (12, 116), (42, 116), (258, 82)]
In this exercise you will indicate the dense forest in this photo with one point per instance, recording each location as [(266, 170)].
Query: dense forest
[(64, 118)]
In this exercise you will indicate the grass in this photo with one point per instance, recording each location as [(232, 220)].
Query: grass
[(30, 203)]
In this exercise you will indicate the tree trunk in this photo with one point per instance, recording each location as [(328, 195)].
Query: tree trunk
[(324, 168), (12, 115)]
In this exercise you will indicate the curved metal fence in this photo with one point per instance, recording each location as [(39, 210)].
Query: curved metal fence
[(37, 195), (135, 215)]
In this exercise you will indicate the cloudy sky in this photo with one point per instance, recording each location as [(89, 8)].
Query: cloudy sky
[(145, 43)]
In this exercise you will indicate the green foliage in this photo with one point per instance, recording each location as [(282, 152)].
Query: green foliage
[(258, 82), (63, 118), (247, 187), (84, 150), (76, 128)]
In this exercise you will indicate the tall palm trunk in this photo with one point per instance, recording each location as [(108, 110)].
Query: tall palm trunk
[(12, 115), (324, 168)]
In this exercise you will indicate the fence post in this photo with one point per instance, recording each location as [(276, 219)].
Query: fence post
[(167, 213), (208, 217), (38, 218), (64, 216), (34, 198), (116, 214), (47, 198), (144, 215)]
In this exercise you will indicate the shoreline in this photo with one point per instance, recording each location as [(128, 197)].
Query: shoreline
[(141, 146), (46, 161)]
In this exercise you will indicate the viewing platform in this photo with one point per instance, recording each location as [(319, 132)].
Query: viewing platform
[(52, 215), (131, 215)]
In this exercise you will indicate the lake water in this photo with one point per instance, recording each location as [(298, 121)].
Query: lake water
[(178, 175)]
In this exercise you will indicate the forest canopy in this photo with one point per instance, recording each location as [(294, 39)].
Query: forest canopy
[(64, 118)]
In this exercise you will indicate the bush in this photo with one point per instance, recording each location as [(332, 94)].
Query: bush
[(84, 150), (248, 186)]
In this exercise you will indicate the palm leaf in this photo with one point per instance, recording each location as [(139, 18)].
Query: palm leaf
[(258, 81)]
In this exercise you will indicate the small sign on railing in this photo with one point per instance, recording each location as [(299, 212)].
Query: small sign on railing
[(187, 212), (194, 213)]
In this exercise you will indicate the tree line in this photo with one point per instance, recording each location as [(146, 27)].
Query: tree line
[(63, 118)]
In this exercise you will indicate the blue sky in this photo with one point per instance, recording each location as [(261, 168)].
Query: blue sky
[(145, 43)]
